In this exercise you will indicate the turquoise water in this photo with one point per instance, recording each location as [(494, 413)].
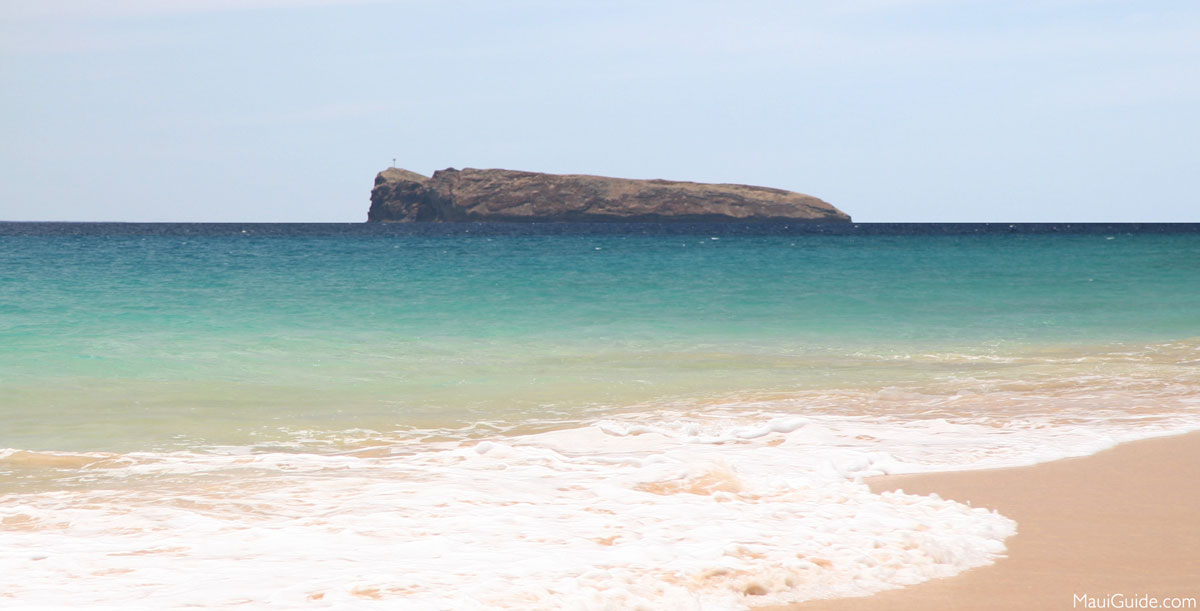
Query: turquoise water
[(556, 416), (120, 340)]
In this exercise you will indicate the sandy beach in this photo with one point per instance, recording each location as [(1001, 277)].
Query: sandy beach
[(1121, 527)]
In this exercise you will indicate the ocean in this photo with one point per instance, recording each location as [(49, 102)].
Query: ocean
[(605, 416)]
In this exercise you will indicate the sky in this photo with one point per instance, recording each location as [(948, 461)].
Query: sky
[(892, 110)]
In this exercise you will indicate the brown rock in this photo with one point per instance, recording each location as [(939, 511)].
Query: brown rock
[(472, 195)]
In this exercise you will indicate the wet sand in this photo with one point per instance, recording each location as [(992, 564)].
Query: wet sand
[(1124, 522)]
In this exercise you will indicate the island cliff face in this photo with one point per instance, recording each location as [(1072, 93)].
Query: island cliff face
[(472, 195)]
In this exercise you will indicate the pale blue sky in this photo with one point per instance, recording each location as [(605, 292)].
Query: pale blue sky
[(893, 110)]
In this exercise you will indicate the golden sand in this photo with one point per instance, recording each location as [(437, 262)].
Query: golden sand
[(1122, 525)]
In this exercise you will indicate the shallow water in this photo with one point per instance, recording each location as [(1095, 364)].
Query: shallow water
[(555, 416)]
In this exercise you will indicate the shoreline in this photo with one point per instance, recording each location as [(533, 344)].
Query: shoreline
[(1123, 523)]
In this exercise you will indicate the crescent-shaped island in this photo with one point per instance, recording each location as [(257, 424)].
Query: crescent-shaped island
[(472, 195)]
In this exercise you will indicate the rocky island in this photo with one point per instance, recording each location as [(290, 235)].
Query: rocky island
[(472, 195)]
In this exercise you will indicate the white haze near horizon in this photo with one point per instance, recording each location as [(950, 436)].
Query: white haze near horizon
[(892, 110)]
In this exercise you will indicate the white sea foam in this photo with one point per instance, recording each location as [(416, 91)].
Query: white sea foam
[(731, 506)]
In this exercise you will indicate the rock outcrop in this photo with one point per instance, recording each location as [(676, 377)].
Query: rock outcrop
[(472, 195)]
